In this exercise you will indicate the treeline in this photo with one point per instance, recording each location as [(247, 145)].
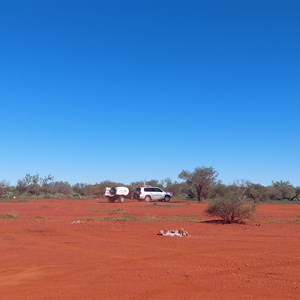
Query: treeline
[(200, 184)]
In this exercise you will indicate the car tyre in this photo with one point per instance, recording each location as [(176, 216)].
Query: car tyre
[(167, 198), (113, 191), (122, 199), (147, 198)]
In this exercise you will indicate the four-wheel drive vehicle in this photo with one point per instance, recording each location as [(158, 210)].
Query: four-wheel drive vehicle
[(114, 193), (149, 193)]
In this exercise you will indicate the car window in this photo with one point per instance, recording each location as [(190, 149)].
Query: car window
[(158, 190), (149, 189)]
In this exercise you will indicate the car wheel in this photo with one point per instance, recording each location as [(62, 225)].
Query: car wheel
[(167, 198), (147, 198), (113, 191), (122, 199)]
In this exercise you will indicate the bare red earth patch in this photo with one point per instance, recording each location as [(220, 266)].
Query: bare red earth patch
[(91, 249)]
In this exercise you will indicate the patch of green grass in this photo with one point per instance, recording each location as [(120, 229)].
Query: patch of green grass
[(164, 205), (183, 219), (12, 215), (113, 211), (297, 220), (279, 221), (124, 219), (22, 201), (104, 218), (13, 200), (5, 199), (276, 221), (137, 219), (127, 218), (280, 202)]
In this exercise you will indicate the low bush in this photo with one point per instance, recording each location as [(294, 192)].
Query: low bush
[(232, 206)]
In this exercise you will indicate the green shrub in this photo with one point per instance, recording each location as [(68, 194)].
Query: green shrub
[(232, 206)]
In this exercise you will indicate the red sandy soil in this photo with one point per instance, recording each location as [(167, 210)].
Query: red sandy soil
[(44, 254)]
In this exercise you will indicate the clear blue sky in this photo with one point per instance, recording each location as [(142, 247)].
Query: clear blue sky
[(136, 90)]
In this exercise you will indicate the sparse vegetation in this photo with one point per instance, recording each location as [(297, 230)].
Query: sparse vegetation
[(297, 220), (232, 206), (128, 218), (199, 184), (5, 199), (34, 184), (183, 219), (4, 188), (125, 218), (22, 200), (136, 218), (12, 215), (113, 211), (155, 204)]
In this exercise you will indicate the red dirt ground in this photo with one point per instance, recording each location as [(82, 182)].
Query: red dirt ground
[(44, 254)]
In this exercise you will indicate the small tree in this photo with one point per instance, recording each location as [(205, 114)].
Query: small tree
[(45, 183), (282, 190), (79, 188), (257, 192), (201, 180), (33, 184), (60, 188), (4, 188), (232, 206), (29, 184), (218, 189), (297, 193)]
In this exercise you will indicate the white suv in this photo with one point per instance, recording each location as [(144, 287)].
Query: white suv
[(149, 193)]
